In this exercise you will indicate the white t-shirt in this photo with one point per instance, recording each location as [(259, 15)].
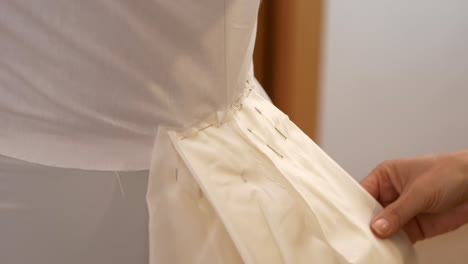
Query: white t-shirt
[(86, 84)]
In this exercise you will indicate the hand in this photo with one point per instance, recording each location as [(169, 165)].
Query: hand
[(425, 196)]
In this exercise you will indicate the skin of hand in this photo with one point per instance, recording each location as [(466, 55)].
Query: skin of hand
[(425, 196)]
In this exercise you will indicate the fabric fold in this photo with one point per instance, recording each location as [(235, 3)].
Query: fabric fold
[(278, 196)]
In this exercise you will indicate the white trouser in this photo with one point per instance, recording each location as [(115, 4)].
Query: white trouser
[(53, 215)]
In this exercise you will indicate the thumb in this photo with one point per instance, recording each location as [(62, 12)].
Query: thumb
[(396, 215)]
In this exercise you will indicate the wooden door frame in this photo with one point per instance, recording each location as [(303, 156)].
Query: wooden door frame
[(287, 58)]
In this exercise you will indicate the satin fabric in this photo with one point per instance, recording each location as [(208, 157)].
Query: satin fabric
[(86, 85), (253, 188)]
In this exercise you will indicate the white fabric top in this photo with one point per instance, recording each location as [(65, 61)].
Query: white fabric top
[(86, 84)]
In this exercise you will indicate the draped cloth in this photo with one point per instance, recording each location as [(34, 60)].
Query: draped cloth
[(253, 188), (103, 102)]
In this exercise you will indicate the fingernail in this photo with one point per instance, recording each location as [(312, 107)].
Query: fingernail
[(381, 227)]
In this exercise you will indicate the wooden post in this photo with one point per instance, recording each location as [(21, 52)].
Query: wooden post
[(287, 58)]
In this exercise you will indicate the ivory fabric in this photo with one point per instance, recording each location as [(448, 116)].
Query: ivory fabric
[(85, 86), (89, 82), (253, 188)]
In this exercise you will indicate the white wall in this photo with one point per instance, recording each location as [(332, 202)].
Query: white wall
[(395, 83)]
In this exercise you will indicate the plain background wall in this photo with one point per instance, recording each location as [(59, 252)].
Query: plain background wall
[(395, 83)]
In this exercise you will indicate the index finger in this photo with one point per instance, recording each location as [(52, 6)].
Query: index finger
[(371, 185)]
